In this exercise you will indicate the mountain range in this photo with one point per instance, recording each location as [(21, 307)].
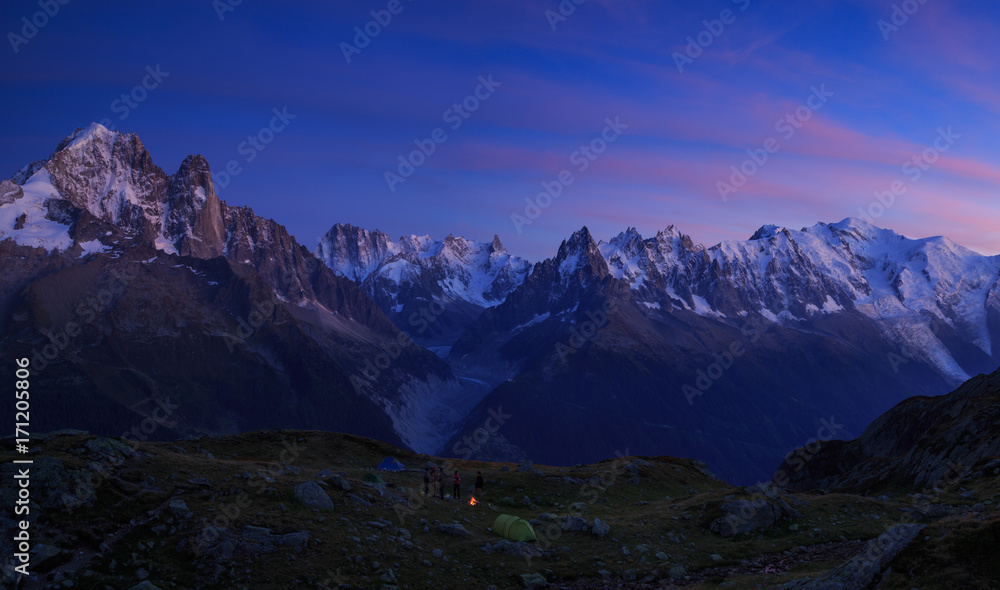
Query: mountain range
[(733, 354)]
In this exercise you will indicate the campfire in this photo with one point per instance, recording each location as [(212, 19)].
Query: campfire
[(473, 502)]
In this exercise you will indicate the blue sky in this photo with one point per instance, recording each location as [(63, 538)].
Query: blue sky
[(890, 91)]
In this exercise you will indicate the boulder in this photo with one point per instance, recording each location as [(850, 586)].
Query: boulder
[(456, 530), (600, 528), (574, 523), (762, 511), (532, 581), (310, 494), (109, 447), (339, 482), (178, 507)]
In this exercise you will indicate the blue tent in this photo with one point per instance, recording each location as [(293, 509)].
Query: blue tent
[(390, 464)]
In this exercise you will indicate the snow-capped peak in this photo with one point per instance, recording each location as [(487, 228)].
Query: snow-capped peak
[(766, 232), (94, 131), (454, 268)]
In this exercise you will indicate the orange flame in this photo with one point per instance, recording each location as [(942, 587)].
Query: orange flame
[(473, 502)]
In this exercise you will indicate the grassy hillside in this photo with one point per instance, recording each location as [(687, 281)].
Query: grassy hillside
[(223, 513)]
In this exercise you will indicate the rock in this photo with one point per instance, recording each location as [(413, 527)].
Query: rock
[(9, 192), (574, 523), (532, 581), (546, 516), (41, 553), (513, 548), (200, 481), (456, 530), (145, 585), (388, 576), (437, 553), (625, 551), (715, 557), (178, 507), (662, 556), (53, 484), (311, 495), (677, 572), (861, 570), (578, 507), (525, 466), (109, 447), (527, 501), (359, 500), (743, 516), (600, 528), (629, 575), (339, 482)]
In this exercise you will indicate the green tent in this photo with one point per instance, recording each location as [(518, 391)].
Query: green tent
[(513, 528), (374, 478)]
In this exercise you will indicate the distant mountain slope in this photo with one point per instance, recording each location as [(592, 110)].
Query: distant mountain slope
[(431, 289)]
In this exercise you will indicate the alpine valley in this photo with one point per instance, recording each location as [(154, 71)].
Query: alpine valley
[(145, 300)]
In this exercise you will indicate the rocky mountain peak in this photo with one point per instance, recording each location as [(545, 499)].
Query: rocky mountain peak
[(495, 246), (628, 241), (580, 255)]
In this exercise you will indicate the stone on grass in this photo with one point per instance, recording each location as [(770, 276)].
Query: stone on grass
[(600, 528), (311, 495), (533, 581), (456, 530)]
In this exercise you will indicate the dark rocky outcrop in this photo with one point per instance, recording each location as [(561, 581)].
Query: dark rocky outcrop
[(924, 442)]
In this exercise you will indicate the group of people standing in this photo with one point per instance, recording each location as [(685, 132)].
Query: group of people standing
[(434, 483)]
